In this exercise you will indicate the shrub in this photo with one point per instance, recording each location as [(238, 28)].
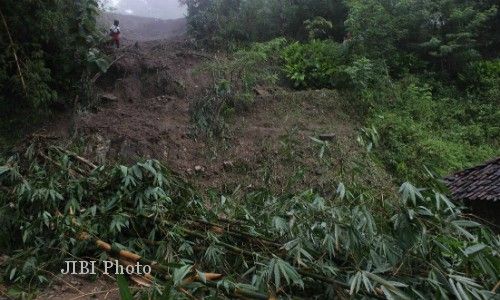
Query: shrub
[(364, 74), (419, 128), (483, 77), (318, 28), (316, 64)]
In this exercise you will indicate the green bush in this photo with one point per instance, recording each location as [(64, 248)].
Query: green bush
[(364, 74), (318, 28), (419, 128), (483, 77), (316, 64)]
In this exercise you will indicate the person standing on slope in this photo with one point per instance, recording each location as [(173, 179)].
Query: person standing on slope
[(114, 32)]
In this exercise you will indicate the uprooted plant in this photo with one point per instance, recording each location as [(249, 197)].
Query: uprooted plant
[(56, 205)]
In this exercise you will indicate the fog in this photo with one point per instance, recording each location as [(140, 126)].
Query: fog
[(163, 9)]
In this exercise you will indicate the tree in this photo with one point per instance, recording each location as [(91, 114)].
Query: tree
[(442, 34), (45, 47)]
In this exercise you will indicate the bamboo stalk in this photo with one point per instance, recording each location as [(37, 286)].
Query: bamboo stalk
[(253, 254), (148, 278), (241, 234), (210, 278), (494, 290), (202, 236), (23, 83), (70, 171), (130, 256), (77, 157)]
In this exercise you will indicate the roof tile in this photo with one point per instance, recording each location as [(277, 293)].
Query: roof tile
[(478, 183)]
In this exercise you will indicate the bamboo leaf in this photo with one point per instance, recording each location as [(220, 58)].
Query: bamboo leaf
[(123, 287)]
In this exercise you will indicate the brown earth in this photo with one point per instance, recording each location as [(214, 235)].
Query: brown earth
[(144, 112), (77, 287)]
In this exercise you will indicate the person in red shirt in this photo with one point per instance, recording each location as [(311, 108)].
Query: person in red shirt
[(114, 32)]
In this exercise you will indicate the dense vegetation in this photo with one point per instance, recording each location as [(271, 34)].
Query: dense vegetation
[(425, 74), (415, 245), (47, 51), (424, 77)]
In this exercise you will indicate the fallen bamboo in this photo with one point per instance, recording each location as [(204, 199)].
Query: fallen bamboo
[(210, 280), (145, 279), (71, 172), (241, 234), (304, 273), (237, 250), (127, 255), (77, 157), (202, 236)]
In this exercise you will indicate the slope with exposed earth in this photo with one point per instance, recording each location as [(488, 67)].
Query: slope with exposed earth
[(144, 111)]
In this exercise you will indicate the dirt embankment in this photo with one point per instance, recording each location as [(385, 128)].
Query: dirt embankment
[(145, 113)]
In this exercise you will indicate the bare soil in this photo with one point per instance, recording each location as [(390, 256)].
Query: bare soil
[(80, 288), (143, 112)]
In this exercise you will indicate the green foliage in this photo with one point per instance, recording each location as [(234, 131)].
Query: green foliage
[(414, 245), (50, 43), (374, 27), (216, 22), (483, 78), (315, 64), (444, 35), (125, 293), (422, 127), (318, 28), (326, 64)]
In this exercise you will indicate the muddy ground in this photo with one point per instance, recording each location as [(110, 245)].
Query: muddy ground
[(144, 112)]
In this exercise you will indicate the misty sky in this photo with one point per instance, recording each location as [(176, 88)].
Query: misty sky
[(164, 9)]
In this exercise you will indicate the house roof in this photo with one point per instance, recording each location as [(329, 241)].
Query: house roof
[(478, 183)]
